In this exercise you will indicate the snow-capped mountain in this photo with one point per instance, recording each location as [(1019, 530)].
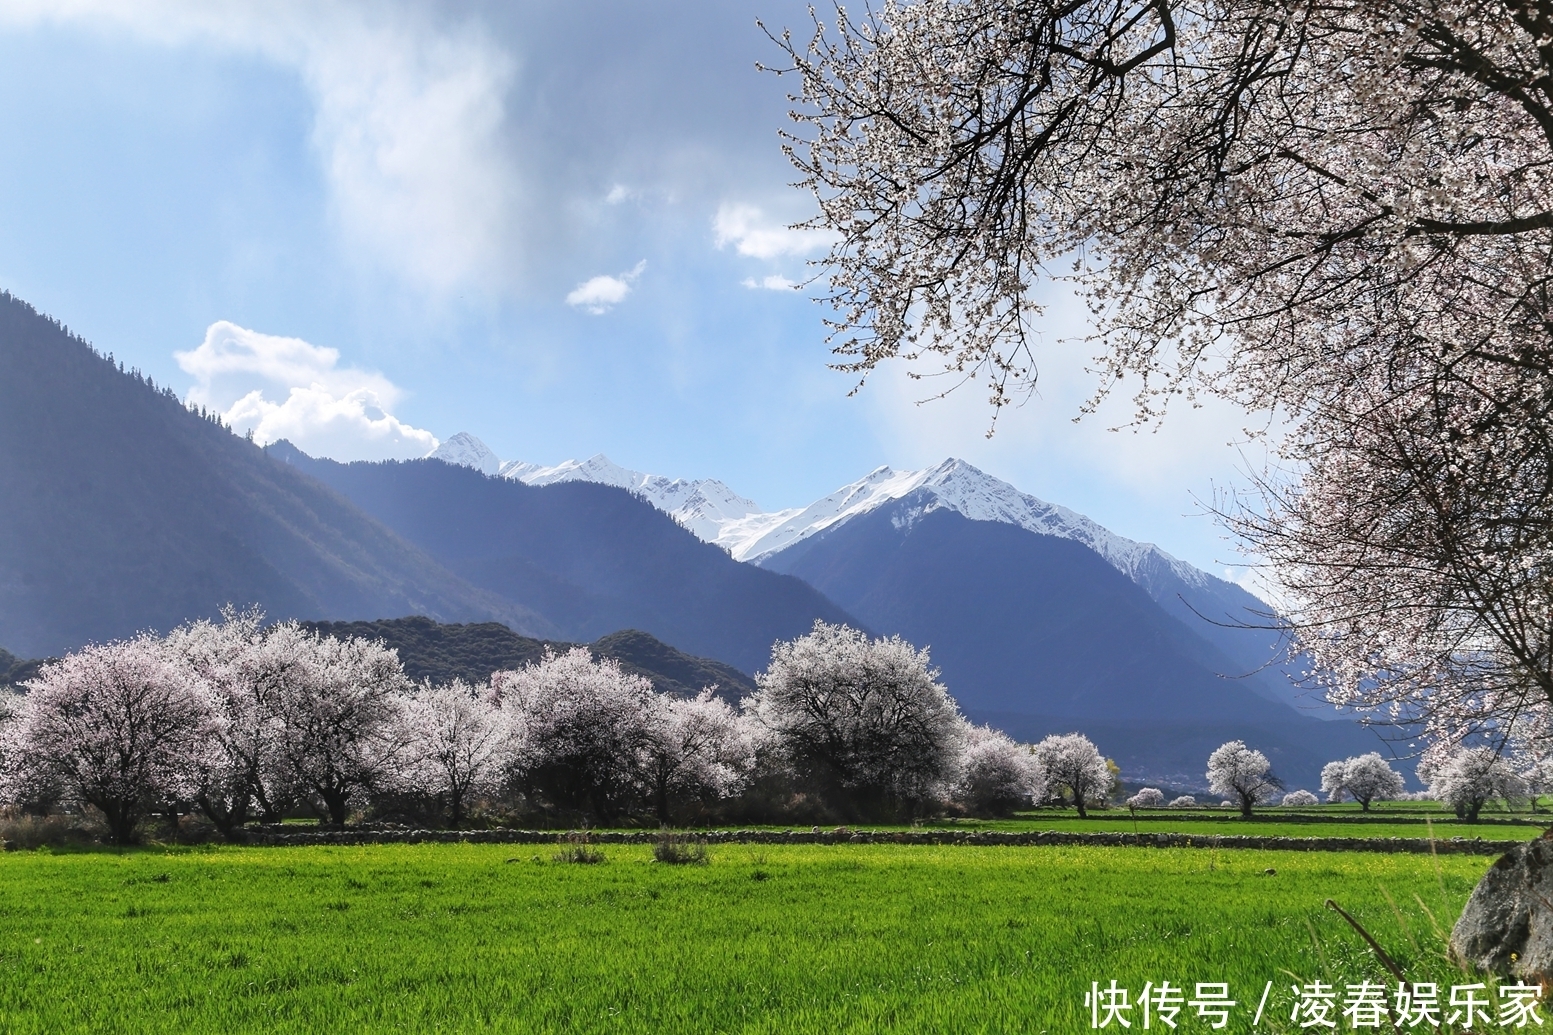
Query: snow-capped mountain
[(953, 485), (717, 514), (464, 450), (705, 506)]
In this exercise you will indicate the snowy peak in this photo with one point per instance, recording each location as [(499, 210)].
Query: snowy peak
[(703, 506), (597, 468), (716, 514), (952, 485), (465, 450)]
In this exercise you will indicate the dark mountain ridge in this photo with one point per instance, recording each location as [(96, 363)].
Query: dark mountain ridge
[(441, 652), (1039, 634), (121, 510), (590, 558)]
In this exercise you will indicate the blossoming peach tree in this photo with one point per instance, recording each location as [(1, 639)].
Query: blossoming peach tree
[(1338, 215)]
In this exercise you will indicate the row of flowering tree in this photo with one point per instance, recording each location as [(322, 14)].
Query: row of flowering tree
[(242, 723)]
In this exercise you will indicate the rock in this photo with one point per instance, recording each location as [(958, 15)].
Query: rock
[(1507, 926)]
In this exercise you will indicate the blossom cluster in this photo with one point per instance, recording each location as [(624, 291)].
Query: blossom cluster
[(1338, 216), (245, 722)]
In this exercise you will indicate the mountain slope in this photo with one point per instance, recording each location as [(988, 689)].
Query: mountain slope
[(1040, 634), (14, 671), (120, 510), (441, 652), (1225, 615), (591, 558)]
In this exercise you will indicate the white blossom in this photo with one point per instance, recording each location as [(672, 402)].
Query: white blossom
[(1185, 801), (1365, 778), (864, 721), (457, 745), (1339, 216), (1300, 798), (1147, 798), (1072, 765), (340, 726), (581, 730), (1244, 773), (997, 775), (119, 726), (1469, 777), (698, 748)]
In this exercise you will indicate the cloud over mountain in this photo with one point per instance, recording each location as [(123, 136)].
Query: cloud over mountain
[(278, 387)]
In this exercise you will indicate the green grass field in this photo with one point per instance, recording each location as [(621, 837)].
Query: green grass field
[(788, 939)]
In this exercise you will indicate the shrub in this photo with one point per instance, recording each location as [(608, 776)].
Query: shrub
[(577, 848), (19, 830), (680, 849), (1300, 798), (1186, 801)]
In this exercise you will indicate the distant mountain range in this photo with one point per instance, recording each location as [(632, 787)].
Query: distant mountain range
[(1041, 619), (590, 558), (1234, 621), (122, 510)]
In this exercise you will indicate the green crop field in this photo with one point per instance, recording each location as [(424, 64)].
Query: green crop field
[(789, 939)]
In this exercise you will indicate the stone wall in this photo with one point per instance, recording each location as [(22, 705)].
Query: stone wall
[(841, 835)]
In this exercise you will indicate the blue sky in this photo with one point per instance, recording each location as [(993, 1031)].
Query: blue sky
[(551, 224)]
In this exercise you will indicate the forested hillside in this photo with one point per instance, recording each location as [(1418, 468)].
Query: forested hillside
[(590, 558), (14, 670), (441, 652), (121, 510)]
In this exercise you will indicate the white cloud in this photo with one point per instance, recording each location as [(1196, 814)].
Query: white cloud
[(598, 294), (325, 410), (407, 116), (755, 234), (618, 193), (775, 282)]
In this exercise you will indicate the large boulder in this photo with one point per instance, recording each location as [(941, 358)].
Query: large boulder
[(1507, 926)]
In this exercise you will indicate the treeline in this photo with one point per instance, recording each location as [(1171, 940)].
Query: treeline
[(442, 652), (240, 723)]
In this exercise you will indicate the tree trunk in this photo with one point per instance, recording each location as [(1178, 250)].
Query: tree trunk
[(335, 799), (121, 816)]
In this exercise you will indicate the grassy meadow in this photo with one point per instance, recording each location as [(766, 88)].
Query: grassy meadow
[(788, 939)]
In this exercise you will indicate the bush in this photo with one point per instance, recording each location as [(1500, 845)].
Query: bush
[(1147, 798), (1300, 798), (577, 848), (1186, 801), (21, 831), (680, 849)]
